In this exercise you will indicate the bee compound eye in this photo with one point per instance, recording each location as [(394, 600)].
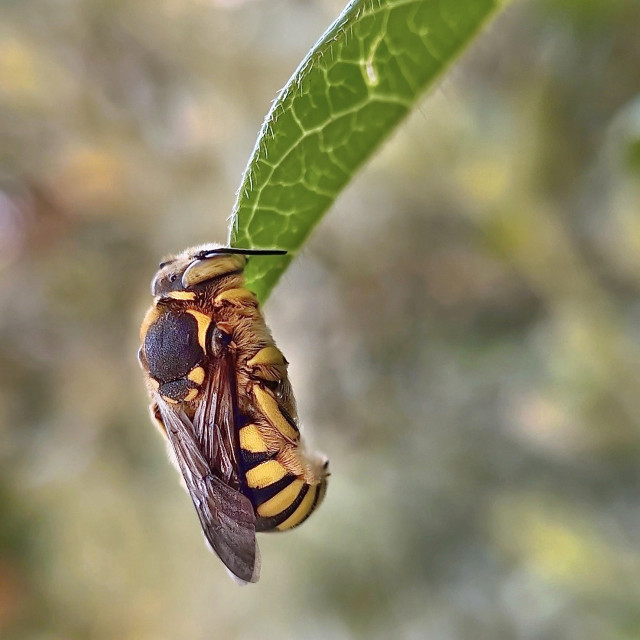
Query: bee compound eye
[(220, 338)]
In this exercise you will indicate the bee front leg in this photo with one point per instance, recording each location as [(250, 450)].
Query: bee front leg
[(240, 299), (269, 364)]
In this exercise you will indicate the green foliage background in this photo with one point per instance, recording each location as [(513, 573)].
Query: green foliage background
[(462, 330), (349, 92)]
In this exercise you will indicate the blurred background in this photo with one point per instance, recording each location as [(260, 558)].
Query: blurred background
[(463, 330)]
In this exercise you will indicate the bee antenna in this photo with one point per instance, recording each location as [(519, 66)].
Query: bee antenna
[(244, 252)]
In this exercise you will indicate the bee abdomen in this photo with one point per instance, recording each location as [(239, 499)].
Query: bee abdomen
[(290, 506), (311, 499), (282, 500)]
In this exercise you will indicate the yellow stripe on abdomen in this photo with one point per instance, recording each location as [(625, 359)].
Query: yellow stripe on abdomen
[(303, 511), (265, 474), (281, 501), (251, 440)]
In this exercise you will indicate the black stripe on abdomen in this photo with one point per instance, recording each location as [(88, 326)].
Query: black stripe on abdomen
[(259, 496), (270, 523)]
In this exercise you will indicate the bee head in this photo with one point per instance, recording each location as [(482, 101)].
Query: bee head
[(201, 264)]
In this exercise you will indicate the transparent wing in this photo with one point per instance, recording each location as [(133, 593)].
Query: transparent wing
[(226, 515)]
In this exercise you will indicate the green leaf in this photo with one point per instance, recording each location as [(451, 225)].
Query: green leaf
[(356, 84)]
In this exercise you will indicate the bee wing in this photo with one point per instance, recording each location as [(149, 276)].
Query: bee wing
[(215, 420), (226, 515)]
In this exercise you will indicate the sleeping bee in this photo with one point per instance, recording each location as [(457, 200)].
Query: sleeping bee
[(221, 396)]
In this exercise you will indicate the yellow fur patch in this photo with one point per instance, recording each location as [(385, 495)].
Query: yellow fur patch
[(196, 375), (191, 395), (203, 325), (149, 318), (181, 295), (233, 296)]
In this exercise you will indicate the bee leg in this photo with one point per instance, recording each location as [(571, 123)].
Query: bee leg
[(238, 298), (269, 364), (156, 418), (275, 414)]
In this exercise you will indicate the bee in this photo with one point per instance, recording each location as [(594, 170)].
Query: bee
[(221, 396)]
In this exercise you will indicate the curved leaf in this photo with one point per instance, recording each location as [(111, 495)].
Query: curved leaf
[(352, 89)]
